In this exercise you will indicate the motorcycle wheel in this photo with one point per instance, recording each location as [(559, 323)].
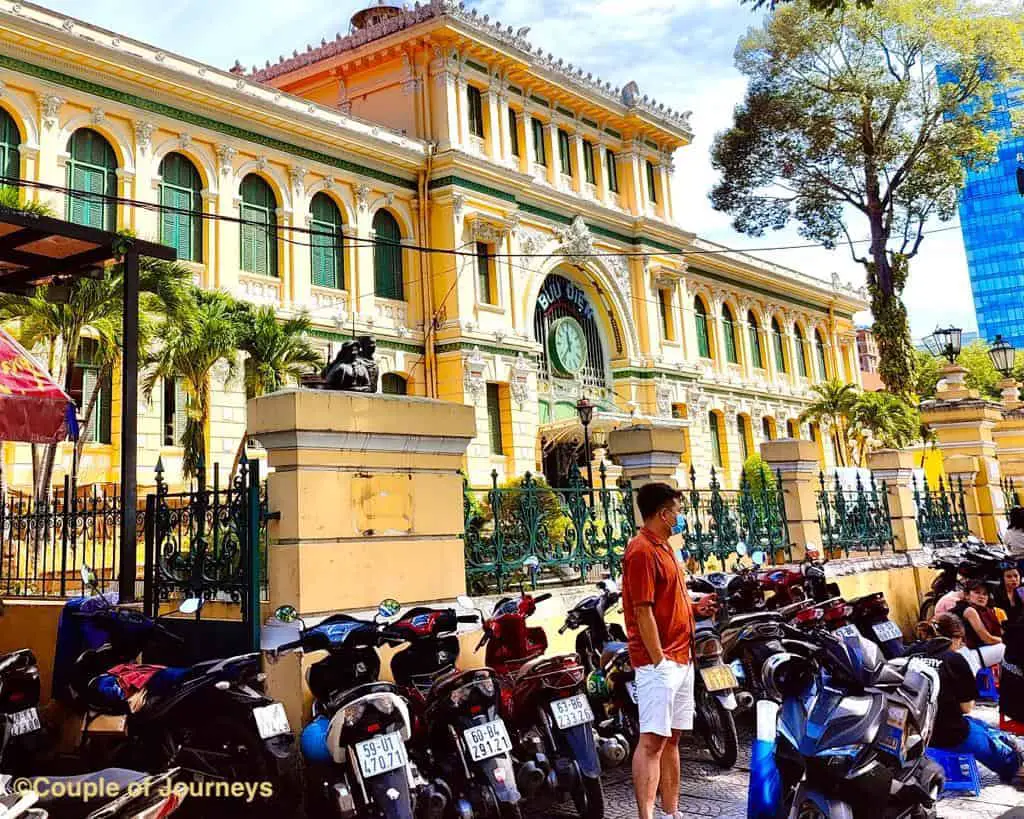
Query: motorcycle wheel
[(508, 810), (927, 609), (630, 729), (589, 798), (718, 729), (808, 810)]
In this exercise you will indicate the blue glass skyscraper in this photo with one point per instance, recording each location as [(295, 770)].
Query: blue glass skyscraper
[(992, 223)]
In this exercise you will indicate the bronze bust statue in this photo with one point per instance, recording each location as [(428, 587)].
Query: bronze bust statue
[(353, 369)]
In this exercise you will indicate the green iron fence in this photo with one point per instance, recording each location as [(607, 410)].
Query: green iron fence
[(941, 513), (854, 520), (1011, 494), (568, 532), (717, 520)]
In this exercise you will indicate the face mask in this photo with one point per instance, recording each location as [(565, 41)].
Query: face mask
[(679, 525)]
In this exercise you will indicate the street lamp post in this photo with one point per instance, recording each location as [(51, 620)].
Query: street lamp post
[(1002, 355), (945, 343), (585, 410)]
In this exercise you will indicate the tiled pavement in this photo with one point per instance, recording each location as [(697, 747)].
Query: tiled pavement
[(706, 790)]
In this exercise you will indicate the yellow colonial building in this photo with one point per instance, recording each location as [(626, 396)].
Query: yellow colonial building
[(505, 230)]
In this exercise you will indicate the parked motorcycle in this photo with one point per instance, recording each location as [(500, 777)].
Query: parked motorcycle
[(211, 719), (22, 734), (871, 616), (546, 704), (357, 761), (458, 728), (970, 559), (114, 793), (714, 691), (853, 730)]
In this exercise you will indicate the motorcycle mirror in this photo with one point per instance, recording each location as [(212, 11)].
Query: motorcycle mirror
[(388, 609), (89, 579), (610, 586), (532, 563), (741, 548), (759, 557), (286, 614), (191, 605), (465, 602)]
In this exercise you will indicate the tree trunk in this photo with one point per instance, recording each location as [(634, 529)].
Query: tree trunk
[(886, 277), (50, 452)]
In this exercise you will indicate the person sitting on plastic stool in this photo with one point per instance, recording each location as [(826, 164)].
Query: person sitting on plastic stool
[(954, 730), (1011, 681)]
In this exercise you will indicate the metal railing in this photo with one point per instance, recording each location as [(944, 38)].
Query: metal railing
[(854, 520), (1011, 494), (717, 520), (941, 513), (527, 531), (43, 544)]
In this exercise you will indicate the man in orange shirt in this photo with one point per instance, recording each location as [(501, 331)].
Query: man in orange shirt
[(659, 626)]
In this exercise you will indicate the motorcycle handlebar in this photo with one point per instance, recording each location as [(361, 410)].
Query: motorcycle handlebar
[(563, 628), (540, 598), (468, 618)]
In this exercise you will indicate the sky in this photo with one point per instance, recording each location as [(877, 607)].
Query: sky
[(680, 52)]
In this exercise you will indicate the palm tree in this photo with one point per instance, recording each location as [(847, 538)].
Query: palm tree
[(57, 321), (832, 408), (278, 353), (883, 419), (189, 347)]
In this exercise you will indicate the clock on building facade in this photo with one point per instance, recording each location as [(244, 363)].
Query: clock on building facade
[(567, 346)]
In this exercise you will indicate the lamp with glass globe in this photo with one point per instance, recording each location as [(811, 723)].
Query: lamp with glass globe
[(1002, 355)]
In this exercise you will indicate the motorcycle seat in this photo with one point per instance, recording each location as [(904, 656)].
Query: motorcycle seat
[(343, 698), (611, 651), (739, 620), (70, 804)]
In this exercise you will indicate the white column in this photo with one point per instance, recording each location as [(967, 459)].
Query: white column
[(494, 141), (746, 351), (579, 177), (504, 135), (720, 359), (665, 170), (460, 85), (600, 173), (635, 180), (551, 147), (526, 149)]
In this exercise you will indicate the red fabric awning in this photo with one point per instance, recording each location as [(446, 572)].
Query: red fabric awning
[(32, 407)]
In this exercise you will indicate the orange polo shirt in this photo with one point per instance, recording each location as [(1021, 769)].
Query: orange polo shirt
[(651, 574)]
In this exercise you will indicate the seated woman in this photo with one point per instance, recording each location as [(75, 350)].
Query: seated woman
[(1009, 597), (954, 730), (1014, 538), (983, 643)]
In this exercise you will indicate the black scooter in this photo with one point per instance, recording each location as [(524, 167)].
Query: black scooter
[(114, 793)]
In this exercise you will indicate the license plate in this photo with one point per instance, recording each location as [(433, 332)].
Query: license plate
[(887, 631), (847, 631), (487, 740), (271, 720), (572, 711), (631, 690), (24, 722), (718, 678), (381, 754)]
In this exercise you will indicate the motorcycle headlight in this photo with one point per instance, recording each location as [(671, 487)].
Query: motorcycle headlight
[(844, 751), (709, 647), (353, 713)]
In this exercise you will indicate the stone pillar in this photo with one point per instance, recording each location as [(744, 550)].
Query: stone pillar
[(647, 453), (667, 171), (362, 482), (796, 462), (504, 131), (494, 141), (964, 425), (462, 93), (601, 171), (579, 175), (551, 151), (896, 468), (526, 147)]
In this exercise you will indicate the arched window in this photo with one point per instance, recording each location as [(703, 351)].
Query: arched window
[(393, 384), (717, 453), (259, 227), (729, 333), (819, 349), (801, 352), (767, 428), (792, 428), (327, 256), (181, 223), (10, 140), (92, 169), (755, 341), (780, 356), (387, 257), (743, 432), (701, 317)]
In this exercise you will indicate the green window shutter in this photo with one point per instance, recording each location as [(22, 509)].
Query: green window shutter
[(76, 204), (801, 354), (780, 357), (483, 272), (513, 132), (664, 302), (652, 186), (820, 348), (729, 333), (393, 384), (326, 243), (494, 419), (539, 149), (89, 383), (703, 340), (741, 429), (259, 229), (563, 153), (388, 271), (613, 171), (180, 411), (588, 161), (476, 110), (755, 342), (181, 196), (716, 443), (10, 139), (248, 233)]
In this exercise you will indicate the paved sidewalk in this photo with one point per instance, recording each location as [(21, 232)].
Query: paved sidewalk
[(707, 790)]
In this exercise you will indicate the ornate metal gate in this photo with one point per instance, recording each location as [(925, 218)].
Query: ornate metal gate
[(207, 543)]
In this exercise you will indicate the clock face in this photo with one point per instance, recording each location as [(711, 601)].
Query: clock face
[(568, 346)]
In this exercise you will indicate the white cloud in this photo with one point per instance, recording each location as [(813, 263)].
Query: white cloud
[(678, 51)]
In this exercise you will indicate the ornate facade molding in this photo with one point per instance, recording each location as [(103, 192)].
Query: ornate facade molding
[(226, 158), (49, 109), (575, 242), (144, 135), (475, 373)]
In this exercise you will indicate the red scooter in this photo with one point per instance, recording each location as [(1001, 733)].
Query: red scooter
[(545, 702)]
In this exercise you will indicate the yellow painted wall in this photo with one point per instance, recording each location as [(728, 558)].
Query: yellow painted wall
[(903, 590), (32, 624)]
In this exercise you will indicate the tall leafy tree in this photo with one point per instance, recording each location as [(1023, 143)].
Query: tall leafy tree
[(818, 5), (832, 409), (982, 374), (56, 321), (847, 130), (189, 347), (881, 419)]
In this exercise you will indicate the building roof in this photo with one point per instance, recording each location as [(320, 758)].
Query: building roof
[(623, 100)]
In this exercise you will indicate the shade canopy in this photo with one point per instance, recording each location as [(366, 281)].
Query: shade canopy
[(32, 407)]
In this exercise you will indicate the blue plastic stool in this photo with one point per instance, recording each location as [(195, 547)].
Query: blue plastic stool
[(987, 689), (961, 771)]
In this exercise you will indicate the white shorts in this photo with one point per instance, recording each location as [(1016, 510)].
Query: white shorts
[(664, 694)]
